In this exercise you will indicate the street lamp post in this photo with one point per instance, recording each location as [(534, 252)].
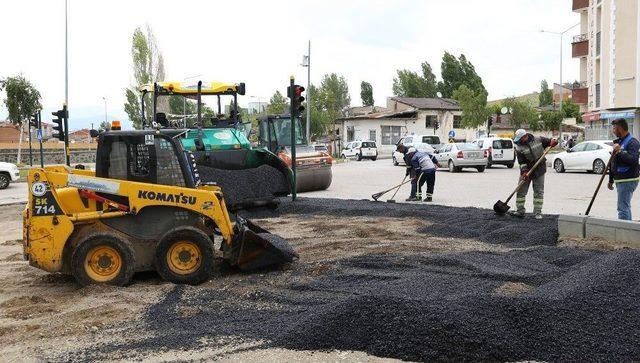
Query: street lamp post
[(105, 110), (306, 62), (561, 34), (259, 103)]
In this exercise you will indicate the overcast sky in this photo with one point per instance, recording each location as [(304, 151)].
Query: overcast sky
[(252, 42)]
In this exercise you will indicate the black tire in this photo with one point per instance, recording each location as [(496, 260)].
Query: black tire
[(359, 157), (86, 257), (5, 180), (395, 162), (558, 165), (510, 165), (481, 169), (198, 242), (374, 158), (452, 167), (598, 166)]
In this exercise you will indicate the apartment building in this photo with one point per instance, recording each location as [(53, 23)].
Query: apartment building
[(609, 54)]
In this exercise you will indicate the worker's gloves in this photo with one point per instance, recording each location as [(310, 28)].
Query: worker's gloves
[(524, 175), (408, 172), (553, 143)]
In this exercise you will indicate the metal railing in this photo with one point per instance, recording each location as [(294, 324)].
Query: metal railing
[(598, 41), (578, 85), (598, 95), (580, 38)]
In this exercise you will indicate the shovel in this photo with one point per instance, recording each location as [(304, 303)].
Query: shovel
[(503, 207), (392, 200), (604, 173), (379, 194)]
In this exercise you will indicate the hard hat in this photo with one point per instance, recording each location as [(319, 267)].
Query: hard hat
[(519, 134)]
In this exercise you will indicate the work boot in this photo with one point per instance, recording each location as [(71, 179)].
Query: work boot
[(428, 199), (517, 213), (538, 216), (412, 199)]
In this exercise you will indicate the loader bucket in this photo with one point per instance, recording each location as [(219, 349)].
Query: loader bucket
[(256, 248)]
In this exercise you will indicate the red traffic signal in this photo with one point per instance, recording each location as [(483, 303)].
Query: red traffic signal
[(297, 98)]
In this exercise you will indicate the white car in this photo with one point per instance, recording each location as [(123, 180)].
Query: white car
[(591, 156), (498, 150), (460, 155), (360, 150), (423, 143), (8, 173)]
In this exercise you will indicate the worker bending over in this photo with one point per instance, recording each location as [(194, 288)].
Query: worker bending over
[(529, 149), (424, 167), (408, 153)]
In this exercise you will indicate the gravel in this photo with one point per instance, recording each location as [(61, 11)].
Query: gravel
[(570, 304), (247, 185)]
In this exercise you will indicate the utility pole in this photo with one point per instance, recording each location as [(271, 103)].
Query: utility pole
[(66, 82), (105, 110), (306, 62), (293, 135), (40, 139)]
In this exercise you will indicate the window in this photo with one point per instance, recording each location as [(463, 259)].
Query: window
[(591, 147), (430, 121), (118, 161), (431, 140), (579, 147), (390, 134), (466, 146), (350, 133), (139, 161), (502, 144), (169, 171), (372, 135), (457, 122), (480, 143), (368, 144)]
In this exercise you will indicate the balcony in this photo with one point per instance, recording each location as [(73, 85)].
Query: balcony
[(598, 43), (580, 93), (580, 46), (580, 5)]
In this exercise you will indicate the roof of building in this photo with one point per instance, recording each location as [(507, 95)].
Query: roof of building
[(380, 115), (364, 110), (429, 103)]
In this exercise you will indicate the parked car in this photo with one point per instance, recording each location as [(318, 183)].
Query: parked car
[(8, 173), (462, 155), (424, 143), (591, 156), (360, 150), (499, 151)]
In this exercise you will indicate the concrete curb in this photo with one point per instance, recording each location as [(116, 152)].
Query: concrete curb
[(614, 230)]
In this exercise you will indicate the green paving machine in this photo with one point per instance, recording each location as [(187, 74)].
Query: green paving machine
[(219, 144)]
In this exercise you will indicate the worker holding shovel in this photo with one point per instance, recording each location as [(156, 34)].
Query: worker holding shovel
[(528, 150), (624, 171)]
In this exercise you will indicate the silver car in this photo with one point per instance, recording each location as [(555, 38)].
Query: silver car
[(461, 155)]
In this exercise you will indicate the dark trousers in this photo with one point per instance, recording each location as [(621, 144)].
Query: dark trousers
[(429, 177)]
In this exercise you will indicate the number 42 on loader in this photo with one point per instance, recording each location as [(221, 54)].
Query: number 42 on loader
[(144, 208)]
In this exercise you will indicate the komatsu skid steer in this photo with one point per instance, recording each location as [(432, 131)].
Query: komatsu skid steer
[(144, 208)]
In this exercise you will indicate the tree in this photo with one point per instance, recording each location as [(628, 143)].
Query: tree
[(473, 105), (551, 120), (23, 100), (148, 67), (104, 126), (456, 72), (332, 98), (319, 117), (522, 114), (277, 104), (545, 97), (366, 93), (571, 109), (410, 84)]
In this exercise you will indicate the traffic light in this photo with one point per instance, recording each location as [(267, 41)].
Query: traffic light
[(296, 99), (59, 123), (33, 121)]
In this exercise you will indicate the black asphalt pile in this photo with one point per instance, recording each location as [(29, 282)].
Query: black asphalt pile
[(247, 185), (537, 301), (473, 223)]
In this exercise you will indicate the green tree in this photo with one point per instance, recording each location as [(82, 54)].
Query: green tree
[(148, 67), (473, 105), (366, 93), (320, 119), (551, 120), (332, 98), (522, 114), (278, 104), (104, 126), (410, 84), (545, 97), (23, 100), (456, 72), (571, 109)]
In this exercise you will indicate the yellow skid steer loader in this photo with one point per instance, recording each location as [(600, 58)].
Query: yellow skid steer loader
[(144, 208)]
